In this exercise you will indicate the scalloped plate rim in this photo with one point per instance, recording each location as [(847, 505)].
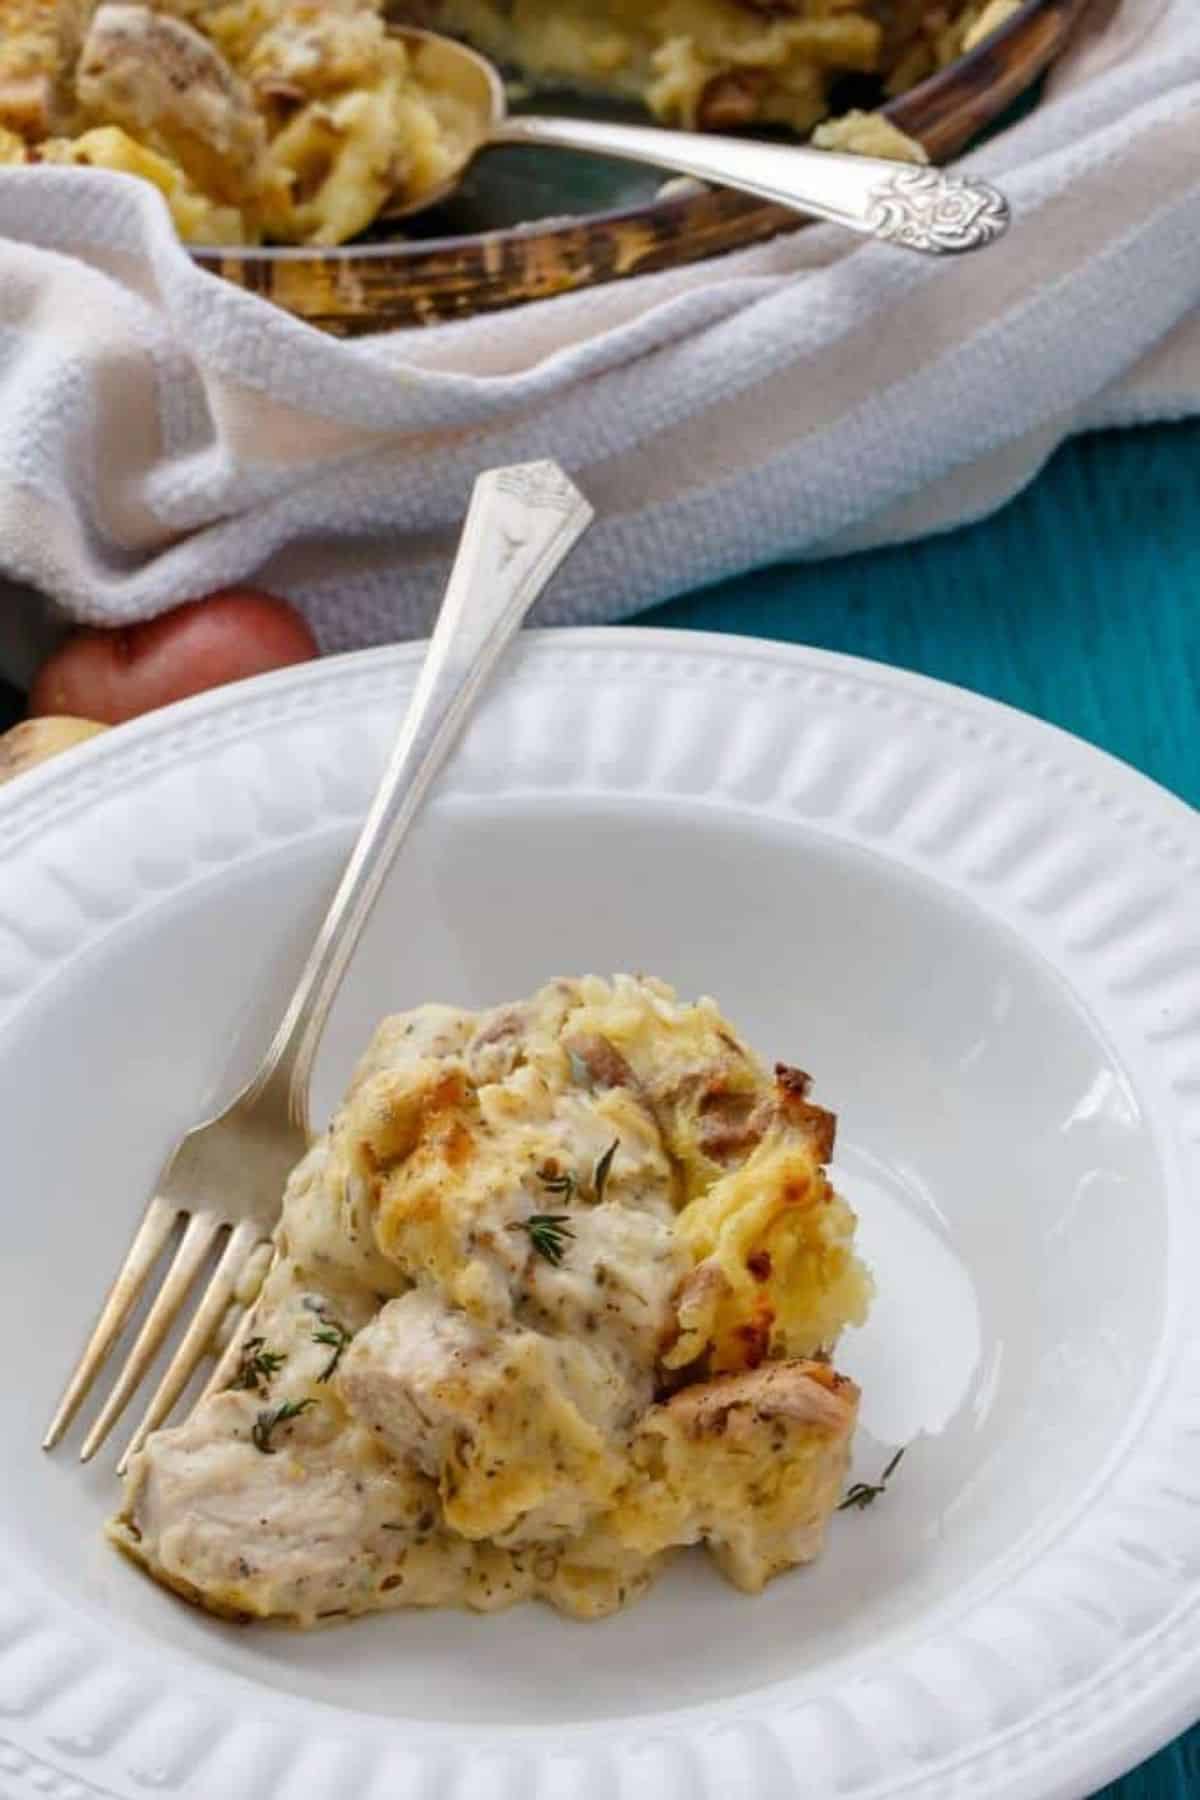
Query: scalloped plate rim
[(1168, 1705), (725, 645)]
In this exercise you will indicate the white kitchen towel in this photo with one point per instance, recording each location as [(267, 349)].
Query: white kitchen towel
[(162, 433)]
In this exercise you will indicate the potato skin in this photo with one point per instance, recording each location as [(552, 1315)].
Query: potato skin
[(111, 676)]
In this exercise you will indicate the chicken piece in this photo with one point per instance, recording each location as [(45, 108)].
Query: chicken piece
[(751, 1464), (701, 1085), (39, 42), (269, 1500), (305, 1528), (272, 1501), (518, 1429), (170, 88)]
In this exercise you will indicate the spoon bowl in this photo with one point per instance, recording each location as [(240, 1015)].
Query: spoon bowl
[(472, 107), (908, 204)]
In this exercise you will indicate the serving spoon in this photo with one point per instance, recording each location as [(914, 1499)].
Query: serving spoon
[(909, 204)]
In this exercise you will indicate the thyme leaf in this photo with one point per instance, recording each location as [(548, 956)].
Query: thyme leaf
[(257, 1365), (264, 1425), (337, 1337), (601, 1174), (548, 1233), (865, 1493)]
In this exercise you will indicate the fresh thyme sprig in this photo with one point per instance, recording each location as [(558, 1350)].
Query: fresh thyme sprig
[(335, 1335), (548, 1233), (257, 1365), (865, 1493), (264, 1425), (603, 1167)]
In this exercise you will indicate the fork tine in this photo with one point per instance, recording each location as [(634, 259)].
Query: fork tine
[(227, 1362), (199, 1333), (223, 1369), (157, 1224), (194, 1246)]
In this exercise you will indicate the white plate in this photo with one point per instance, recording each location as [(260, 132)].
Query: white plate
[(982, 937)]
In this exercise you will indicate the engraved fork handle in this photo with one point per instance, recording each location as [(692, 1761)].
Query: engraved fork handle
[(919, 208), (521, 523)]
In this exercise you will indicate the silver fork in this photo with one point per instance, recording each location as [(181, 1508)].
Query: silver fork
[(226, 1177)]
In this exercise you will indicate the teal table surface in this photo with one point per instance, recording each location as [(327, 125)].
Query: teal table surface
[(1080, 602)]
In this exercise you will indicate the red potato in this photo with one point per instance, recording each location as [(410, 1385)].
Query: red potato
[(115, 675)]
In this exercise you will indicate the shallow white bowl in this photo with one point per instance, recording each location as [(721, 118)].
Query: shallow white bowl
[(984, 940)]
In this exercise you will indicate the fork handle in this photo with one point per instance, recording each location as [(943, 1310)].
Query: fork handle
[(918, 208), (521, 523)]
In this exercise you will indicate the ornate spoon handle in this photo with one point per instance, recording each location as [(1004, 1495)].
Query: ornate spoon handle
[(920, 208)]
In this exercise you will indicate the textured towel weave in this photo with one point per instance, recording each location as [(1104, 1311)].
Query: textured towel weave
[(162, 433)]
